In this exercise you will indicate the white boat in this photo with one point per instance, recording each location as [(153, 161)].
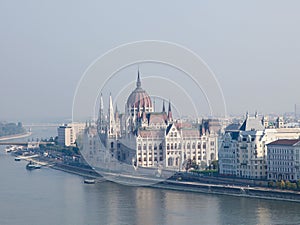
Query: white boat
[(10, 148), (89, 181), (32, 166)]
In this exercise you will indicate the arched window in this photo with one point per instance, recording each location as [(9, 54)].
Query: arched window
[(188, 145), (171, 145), (168, 146)]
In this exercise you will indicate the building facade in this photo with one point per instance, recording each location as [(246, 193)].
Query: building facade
[(243, 152), (283, 160), (67, 133), (151, 139)]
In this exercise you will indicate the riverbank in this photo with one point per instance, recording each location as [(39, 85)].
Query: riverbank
[(190, 186), (15, 136)]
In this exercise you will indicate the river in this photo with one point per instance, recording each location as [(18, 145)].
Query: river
[(48, 196)]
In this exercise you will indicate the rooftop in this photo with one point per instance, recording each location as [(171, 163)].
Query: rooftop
[(286, 142)]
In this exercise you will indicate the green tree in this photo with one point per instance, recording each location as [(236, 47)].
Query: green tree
[(278, 184), (298, 184), (271, 184), (215, 165), (293, 186), (282, 184), (288, 184)]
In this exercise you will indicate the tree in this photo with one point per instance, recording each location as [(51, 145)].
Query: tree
[(215, 164), (278, 184), (282, 184), (187, 164), (298, 184), (288, 184), (293, 186), (270, 184)]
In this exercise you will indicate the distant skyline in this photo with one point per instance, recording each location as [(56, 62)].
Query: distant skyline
[(253, 47)]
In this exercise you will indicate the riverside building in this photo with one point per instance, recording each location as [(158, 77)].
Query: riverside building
[(243, 152), (145, 138), (283, 160)]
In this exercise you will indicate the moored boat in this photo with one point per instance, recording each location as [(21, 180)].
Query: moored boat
[(89, 181), (32, 166)]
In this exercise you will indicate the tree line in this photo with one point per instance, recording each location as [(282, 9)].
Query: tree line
[(11, 128)]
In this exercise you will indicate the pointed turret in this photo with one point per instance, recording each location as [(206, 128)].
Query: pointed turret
[(116, 113), (111, 119), (247, 115), (170, 116), (100, 121), (164, 109)]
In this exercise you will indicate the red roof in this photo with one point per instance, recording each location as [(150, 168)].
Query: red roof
[(289, 142)]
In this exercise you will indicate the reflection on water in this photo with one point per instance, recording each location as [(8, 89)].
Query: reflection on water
[(48, 196)]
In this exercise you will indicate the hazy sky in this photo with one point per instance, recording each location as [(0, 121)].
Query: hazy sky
[(253, 47)]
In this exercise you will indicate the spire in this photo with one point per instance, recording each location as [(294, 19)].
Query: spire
[(101, 102), (116, 113), (164, 109), (111, 118), (100, 121), (138, 81), (170, 117)]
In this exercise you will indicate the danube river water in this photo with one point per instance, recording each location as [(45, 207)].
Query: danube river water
[(48, 196)]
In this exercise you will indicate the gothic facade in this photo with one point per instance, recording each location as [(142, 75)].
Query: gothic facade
[(150, 139)]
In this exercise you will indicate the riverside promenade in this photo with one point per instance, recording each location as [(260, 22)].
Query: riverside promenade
[(15, 136), (200, 186)]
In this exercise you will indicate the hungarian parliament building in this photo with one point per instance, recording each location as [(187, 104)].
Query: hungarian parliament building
[(145, 138)]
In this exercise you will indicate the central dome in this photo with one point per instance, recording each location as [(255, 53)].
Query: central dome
[(139, 97)]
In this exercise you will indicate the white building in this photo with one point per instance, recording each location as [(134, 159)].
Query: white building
[(284, 160), (67, 133), (243, 152), (150, 138)]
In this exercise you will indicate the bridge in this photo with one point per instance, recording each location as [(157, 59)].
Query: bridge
[(41, 125), (27, 143)]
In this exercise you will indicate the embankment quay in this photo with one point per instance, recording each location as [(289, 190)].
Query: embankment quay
[(14, 136), (208, 185)]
